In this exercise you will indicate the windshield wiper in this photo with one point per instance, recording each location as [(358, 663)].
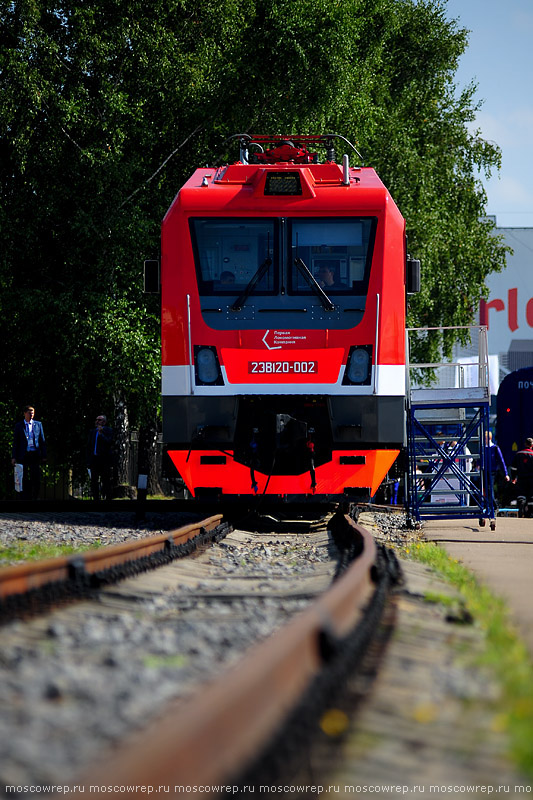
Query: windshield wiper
[(259, 275), (313, 283)]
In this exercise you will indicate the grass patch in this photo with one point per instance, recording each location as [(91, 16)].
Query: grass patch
[(505, 653), (34, 551), (440, 599), (158, 662)]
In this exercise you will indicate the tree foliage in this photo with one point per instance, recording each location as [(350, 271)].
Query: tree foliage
[(107, 107)]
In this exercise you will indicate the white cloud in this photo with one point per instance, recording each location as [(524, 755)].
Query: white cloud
[(511, 130), (492, 128)]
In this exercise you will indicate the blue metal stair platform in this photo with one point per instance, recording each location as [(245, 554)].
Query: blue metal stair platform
[(448, 473)]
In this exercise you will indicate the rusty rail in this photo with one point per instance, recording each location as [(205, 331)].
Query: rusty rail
[(213, 737), (23, 578)]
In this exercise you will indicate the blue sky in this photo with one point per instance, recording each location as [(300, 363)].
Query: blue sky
[(499, 59)]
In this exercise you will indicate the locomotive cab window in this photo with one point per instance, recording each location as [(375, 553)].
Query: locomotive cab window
[(231, 253), (278, 272), (337, 253)]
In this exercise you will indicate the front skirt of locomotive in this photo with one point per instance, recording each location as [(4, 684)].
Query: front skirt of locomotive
[(284, 446)]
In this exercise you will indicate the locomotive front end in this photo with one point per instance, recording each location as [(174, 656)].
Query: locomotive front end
[(283, 318)]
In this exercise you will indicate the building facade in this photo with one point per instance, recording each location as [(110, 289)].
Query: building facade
[(508, 310)]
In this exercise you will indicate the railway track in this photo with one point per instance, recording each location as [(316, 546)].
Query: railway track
[(32, 585), (161, 653)]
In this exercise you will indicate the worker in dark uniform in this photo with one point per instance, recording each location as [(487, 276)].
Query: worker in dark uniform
[(522, 476), (99, 458), (500, 476)]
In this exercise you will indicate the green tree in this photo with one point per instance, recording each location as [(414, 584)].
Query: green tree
[(106, 108), (93, 100)]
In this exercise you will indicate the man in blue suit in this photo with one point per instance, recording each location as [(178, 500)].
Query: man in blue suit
[(29, 449)]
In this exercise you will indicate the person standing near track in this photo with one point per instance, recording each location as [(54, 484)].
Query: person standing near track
[(500, 476), (99, 458), (522, 476), (29, 450)]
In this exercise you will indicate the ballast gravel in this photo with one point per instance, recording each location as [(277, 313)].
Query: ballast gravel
[(390, 529)]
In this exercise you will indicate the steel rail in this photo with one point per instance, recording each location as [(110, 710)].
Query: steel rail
[(23, 578), (213, 736)]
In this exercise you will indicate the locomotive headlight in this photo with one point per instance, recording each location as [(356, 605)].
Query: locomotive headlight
[(207, 366), (358, 368)]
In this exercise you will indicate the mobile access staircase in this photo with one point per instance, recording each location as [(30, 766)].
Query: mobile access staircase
[(448, 475)]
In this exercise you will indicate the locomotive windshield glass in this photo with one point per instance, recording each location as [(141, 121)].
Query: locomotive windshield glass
[(231, 254), (337, 252)]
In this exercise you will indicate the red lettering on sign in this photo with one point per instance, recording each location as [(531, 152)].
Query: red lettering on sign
[(512, 310), (484, 308), (512, 313), (529, 312)]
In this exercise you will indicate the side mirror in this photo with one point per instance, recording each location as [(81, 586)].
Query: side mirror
[(151, 277), (412, 275)]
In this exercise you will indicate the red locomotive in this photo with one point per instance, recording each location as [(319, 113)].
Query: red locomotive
[(283, 319)]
